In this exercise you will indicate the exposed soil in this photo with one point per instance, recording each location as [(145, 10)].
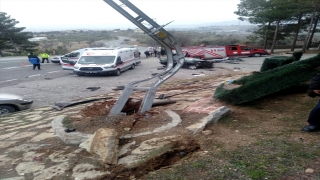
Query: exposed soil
[(276, 118)]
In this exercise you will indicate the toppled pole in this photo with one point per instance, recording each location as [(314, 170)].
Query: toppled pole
[(165, 39)]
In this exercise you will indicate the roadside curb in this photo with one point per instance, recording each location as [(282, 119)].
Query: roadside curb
[(68, 138)]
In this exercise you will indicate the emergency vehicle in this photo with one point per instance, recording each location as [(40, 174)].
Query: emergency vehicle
[(219, 52), (67, 61), (109, 61)]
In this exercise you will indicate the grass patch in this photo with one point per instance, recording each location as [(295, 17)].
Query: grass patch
[(274, 147), (266, 159)]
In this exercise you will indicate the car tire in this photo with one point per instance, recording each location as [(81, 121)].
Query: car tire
[(256, 55), (4, 109), (118, 72), (133, 66), (192, 66)]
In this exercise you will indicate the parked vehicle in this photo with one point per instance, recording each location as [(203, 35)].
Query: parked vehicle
[(109, 61), (220, 52), (55, 59), (11, 103), (67, 61), (192, 63)]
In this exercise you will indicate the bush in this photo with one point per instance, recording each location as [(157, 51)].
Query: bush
[(297, 55), (274, 62), (265, 83)]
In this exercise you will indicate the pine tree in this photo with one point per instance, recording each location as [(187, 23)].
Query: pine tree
[(13, 39)]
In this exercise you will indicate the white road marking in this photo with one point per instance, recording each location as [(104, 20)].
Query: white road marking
[(35, 75), (53, 72), (8, 80), (15, 67), (10, 68)]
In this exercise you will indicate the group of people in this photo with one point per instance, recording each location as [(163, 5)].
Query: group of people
[(157, 52), (35, 60)]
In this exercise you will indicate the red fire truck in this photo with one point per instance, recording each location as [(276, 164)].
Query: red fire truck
[(219, 52)]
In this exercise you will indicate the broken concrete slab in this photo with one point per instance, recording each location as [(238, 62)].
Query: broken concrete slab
[(143, 152), (104, 142), (211, 118)]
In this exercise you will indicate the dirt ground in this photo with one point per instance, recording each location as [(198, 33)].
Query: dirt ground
[(276, 118)]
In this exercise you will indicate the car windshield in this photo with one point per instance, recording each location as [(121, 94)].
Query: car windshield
[(96, 60)]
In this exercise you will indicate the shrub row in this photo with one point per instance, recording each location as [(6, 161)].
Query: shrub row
[(265, 83), (277, 61)]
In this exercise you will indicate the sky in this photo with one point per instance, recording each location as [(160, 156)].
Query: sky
[(47, 15)]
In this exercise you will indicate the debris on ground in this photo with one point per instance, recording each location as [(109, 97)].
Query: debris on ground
[(119, 88), (60, 106), (93, 88)]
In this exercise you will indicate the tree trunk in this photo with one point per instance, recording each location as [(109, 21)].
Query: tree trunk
[(275, 37), (1, 54), (309, 31), (14, 46), (266, 37), (297, 32), (313, 31)]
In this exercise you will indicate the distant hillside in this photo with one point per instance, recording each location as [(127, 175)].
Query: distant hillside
[(131, 26), (223, 23)]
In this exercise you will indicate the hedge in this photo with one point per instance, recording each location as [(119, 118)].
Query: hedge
[(265, 83), (276, 61)]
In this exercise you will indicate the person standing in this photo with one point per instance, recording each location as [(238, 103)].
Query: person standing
[(314, 115), (34, 60), (155, 52), (45, 56), (163, 52), (147, 54)]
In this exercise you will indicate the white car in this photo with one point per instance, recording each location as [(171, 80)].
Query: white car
[(11, 103), (55, 59)]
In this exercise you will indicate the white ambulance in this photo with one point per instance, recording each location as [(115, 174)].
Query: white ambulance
[(67, 61), (109, 61)]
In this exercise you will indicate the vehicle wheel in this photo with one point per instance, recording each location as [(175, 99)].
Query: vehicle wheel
[(256, 55), (133, 66), (118, 72), (192, 66), (212, 65), (4, 109)]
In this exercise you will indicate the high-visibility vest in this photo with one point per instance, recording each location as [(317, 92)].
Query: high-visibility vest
[(44, 55)]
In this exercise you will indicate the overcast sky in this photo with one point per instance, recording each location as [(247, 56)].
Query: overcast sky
[(40, 15)]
